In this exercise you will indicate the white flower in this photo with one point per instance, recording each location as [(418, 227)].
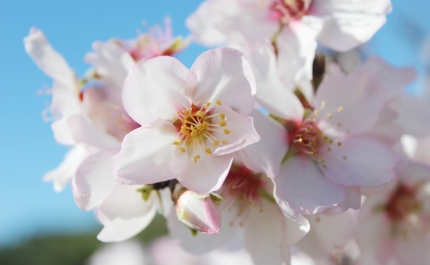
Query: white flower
[(193, 121)]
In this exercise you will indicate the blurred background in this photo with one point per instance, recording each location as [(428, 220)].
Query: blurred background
[(40, 226)]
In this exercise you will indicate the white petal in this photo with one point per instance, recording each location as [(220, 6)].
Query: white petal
[(148, 156), (267, 154), (207, 174), (49, 61), (413, 114), (241, 132), (62, 132), (268, 234), (125, 214), (334, 231), (94, 180), (353, 101), (394, 79), (155, 90), (296, 51), (111, 62), (360, 161), (84, 132), (272, 94), (305, 188), (224, 74), (348, 23), (66, 170)]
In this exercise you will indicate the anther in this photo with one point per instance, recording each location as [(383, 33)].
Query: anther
[(329, 116), (344, 157), (227, 131), (196, 158), (329, 149), (222, 116), (224, 142), (339, 143), (200, 127), (218, 102), (216, 143), (182, 149), (323, 104), (222, 123), (177, 142), (200, 113), (207, 150), (207, 104), (340, 109)]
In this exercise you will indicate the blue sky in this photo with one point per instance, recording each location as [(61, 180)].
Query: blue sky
[(27, 149)]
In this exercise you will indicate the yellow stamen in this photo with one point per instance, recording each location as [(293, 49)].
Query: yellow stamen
[(208, 104), (177, 142), (196, 158), (223, 123), (222, 116), (215, 143), (182, 149), (218, 102), (323, 104), (200, 113), (340, 109), (329, 116), (227, 131), (224, 142), (207, 150)]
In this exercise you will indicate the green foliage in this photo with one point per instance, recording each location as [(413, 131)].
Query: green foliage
[(68, 249)]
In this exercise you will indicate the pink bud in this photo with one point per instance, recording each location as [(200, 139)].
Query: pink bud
[(198, 212)]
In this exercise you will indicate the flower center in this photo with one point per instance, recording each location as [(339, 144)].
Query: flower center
[(306, 138), (403, 203), (199, 129), (242, 189), (286, 10)]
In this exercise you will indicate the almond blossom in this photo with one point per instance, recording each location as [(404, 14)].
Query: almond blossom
[(250, 218), (325, 147), (292, 25), (394, 226), (193, 121)]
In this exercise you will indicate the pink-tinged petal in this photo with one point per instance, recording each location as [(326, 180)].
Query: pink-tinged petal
[(415, 173), (349, 23), (413, 114), (268, 234), (207, 174), (296, 51), (202, 20), (155, 89), (272, 94), (291, 215), (66, 170), (224, 74), (350, 102), (148, 156), (65, 99), (125, 213), (267, 154), (84, 132), (241, 132), (305, 187), (198, 212), (352, 201), (111, 62), (94, 180), (218, 21), (394, 79), (48, 60), (359, 161)]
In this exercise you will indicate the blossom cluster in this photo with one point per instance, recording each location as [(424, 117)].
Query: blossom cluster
[(266, 143)]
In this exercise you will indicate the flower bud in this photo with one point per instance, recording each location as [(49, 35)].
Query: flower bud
[(199, 212)]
